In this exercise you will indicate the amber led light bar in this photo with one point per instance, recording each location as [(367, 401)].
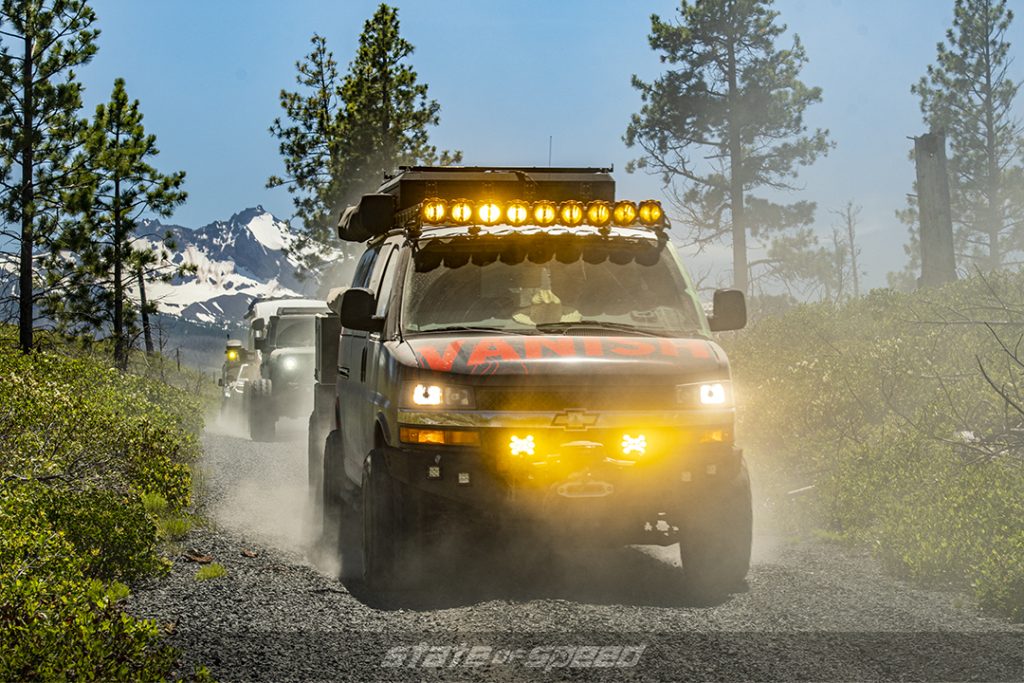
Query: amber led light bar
[(543, 213)]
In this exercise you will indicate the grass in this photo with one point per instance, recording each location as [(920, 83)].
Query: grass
[(154, 503), (174, 528), (214, 570)]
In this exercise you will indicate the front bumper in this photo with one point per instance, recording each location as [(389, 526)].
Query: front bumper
[(591, 490), (292, 393)]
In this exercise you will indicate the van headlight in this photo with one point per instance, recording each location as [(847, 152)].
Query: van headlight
[(705, 394), (436, 395)]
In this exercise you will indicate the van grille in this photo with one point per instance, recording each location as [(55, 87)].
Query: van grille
[(582, 398)]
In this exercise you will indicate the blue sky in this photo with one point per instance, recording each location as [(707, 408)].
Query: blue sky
[(509, 74)]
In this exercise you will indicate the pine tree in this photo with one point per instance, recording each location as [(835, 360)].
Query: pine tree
[(41, 43), (387, 112), (726, 119), (339, 135), (311, 138), (969, 94), (110, 257)]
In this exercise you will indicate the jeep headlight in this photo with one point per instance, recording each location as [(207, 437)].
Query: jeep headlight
[(289, 363), (715, 394), (431, 395)]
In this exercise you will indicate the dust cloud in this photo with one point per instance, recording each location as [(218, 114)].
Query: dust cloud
[(260, 491)]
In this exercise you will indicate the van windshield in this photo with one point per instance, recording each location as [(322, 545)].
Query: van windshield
[(547, 286)]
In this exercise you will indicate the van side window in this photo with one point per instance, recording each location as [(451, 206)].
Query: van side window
[(387, 283), (365, 267), (378, 268)]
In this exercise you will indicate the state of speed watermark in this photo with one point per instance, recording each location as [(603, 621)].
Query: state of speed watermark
[(545, 657)]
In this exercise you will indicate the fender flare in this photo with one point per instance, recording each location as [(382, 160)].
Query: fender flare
[(381, 423)]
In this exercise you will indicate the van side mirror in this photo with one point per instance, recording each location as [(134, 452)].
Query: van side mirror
[(259, 333), (334, 299), (358, 308), (373, 215), (729, 311)]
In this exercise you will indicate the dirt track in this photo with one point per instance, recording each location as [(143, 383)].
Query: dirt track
[(811, 611)]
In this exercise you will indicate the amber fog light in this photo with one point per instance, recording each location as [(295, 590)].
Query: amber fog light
[(439, 437)]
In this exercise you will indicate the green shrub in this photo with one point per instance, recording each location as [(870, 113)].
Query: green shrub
[(109, 531), (93, 460), (878, 412), (999, 577), (56, 622)]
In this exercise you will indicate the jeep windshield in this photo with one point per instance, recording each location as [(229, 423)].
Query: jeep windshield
[(549, 285), (293, 331)]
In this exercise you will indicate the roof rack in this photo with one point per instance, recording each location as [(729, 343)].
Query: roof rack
[(250, 311), (500, 169), (413, 184), (567, 196)]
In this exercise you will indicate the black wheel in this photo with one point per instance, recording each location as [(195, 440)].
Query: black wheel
[(341, 526), (314, 456), (262, 421), (717, 534), (331, 502), (389, 557)]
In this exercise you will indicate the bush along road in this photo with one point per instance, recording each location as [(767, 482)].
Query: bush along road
[(898, 418), (275, 608), (94, 473)]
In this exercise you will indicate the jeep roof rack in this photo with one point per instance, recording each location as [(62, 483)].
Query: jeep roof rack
[(300, 310), (307, 304)]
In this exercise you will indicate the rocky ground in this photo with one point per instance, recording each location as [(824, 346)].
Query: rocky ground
[(811, 611)]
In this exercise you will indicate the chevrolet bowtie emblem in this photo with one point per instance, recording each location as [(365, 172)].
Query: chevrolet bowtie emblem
[(575, 420)]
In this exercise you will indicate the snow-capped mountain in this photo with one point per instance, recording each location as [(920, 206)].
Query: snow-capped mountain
[(236, 260)]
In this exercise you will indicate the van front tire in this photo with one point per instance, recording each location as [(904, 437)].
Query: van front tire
[(717, 535)]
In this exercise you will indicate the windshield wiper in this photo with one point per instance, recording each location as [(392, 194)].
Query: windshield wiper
[(468, 328), (601, 325)]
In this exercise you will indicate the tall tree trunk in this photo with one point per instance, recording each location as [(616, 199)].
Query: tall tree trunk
[(120, 347), (851, 236), (993, 216), (739, 229), (25, 288), (147, 332), (385, 126)]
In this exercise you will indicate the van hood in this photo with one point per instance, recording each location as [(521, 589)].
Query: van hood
[(562, 355)]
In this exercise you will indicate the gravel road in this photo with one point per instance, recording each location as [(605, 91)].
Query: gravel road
[(812, 611)]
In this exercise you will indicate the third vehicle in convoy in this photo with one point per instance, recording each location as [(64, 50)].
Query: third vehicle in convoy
[(521, 349), (282, 332), (237, 370)]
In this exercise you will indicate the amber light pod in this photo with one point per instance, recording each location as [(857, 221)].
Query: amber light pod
[(650, 212), (462, 211), (488, 213), (624, 213), (434, 210), (517, 213), (545, 213), (570, 213), (599, 213)]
